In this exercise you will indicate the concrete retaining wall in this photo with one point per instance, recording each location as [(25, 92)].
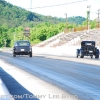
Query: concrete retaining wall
[(60, 50), (4, 93)]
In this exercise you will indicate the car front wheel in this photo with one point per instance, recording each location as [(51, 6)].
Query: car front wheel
[(30, 54), (81, 54)]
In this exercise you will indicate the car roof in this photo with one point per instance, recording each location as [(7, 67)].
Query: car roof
[(22, 41), (83, 42), (88, 42)]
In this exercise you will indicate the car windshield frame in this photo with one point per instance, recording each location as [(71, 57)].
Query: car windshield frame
[(22, 43), (87, 43)]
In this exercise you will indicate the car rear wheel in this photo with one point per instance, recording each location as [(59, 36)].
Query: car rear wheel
[(97, 53), (97, 56), (82, 56), (14, 55), (91, 57)]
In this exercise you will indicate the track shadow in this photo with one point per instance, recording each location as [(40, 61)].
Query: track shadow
[(17, 91)]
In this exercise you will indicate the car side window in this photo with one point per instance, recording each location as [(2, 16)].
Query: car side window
[(16, 44)]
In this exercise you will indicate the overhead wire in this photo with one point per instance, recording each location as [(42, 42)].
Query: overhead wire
[(58, 4), (94, 12)]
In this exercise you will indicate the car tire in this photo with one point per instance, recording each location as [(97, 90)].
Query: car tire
[(97, 56), (81, 54), (91, 57), (97, 53), (77, 53), (30, 54), (14, 55)]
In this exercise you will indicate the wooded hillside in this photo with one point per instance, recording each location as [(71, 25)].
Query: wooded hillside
[(14, 19), (14, 16)]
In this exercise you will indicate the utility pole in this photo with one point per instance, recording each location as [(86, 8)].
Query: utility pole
[(31, 6), (88, 17), (66, 23), (98, 17), (66, 19)]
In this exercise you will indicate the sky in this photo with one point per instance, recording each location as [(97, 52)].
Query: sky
[(71, 7)]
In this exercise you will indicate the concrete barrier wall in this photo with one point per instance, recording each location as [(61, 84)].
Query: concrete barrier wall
[(64, 50), (60, 50), (4, 93)]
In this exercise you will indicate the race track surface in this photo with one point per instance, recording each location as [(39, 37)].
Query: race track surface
[(76, 76)]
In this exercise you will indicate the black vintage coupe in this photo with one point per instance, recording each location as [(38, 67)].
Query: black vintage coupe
[(88, 48), (22, 47)]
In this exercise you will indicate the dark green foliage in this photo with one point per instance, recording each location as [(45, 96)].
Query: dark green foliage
[(93, 24), (42, 37), (32, 17), (77, 20), (46, 30), (38, 33), (4, 36)]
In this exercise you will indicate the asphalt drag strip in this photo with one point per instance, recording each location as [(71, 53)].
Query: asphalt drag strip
[(41, 89)]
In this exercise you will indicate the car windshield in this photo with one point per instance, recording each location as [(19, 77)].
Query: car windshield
[(88, 43), (22, 43)]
